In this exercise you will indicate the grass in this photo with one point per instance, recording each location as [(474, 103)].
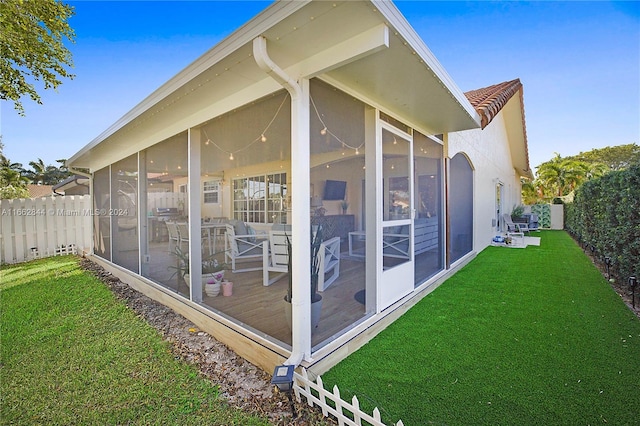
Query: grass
[(517, 337), (73, 354)]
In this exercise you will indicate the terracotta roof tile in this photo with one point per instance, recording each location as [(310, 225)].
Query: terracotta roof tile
[(488, 101), (37, 191)]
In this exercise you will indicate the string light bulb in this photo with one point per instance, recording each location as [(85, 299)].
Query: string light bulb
[(263, 138), (231, 156), (323, 131)]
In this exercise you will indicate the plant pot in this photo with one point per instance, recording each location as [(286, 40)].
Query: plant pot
[(227, 288), (316, 312), (216, 276), (187, 280), (212, 287)]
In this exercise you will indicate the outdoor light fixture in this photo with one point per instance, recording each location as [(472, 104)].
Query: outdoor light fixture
[(607, 261), (283, 378), (632, 283)]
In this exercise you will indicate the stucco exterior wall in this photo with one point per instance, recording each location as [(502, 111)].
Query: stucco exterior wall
[(490, 157)]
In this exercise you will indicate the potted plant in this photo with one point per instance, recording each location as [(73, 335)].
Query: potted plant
[(212, 270), (517, 212), (344, 205), (316, 299)]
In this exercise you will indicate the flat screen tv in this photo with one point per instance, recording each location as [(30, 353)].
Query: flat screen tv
[(334, 190)]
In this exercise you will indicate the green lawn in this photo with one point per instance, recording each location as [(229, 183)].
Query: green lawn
[(521, 337), (73, 354)]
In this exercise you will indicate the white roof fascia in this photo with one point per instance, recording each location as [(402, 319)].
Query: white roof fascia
[(252, 29), (406, 31)]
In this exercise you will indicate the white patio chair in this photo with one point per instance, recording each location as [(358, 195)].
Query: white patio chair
[(275, 256), (276, 259), (174, 237), (329, 262), (183, 233), (240, 246)]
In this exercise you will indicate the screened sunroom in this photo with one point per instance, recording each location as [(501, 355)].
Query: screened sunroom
[(304, 157)]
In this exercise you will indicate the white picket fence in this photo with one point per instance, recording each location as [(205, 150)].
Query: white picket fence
[(41, 227), (332, 404)]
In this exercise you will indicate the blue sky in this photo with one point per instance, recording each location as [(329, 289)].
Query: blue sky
[(579, 63)]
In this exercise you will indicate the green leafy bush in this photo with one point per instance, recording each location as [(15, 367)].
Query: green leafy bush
[(605, 216)]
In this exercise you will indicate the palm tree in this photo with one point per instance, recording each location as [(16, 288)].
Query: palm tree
[(560, 176), (47, 174), (529, 192), (5, 162), (37, 175)]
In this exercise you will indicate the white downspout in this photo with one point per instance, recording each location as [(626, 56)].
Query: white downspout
[(300, 222)]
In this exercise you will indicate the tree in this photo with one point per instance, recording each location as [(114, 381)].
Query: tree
[(37, 174), (559, 176), (529, 192), (614, 157), (32, 34), (42, 174), (12, 183), (6, 163)]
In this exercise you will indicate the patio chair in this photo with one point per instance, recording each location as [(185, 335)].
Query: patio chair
[(275, 256), (276, 259), (514, 227), (241, 246), (174, 237), (533, 223), (329, 262), (183, 233)]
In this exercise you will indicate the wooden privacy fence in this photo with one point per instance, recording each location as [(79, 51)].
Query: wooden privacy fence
[(331, 403), (40, 227)]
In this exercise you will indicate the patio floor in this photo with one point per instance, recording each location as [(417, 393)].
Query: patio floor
[(261, 308)]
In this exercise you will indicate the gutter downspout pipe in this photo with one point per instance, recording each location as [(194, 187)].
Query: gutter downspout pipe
[(300, 221)]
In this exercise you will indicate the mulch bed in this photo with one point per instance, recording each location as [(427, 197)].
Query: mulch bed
[(242, 384), (619, 286)]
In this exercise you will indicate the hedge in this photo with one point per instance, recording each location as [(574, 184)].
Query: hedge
[(605, 218)]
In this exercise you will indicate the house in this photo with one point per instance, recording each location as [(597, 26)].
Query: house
[(38, 191), (73, 185), (312, 113)]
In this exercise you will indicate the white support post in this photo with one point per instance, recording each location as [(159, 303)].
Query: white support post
[(193, 202), (143, 220), (301, 222)]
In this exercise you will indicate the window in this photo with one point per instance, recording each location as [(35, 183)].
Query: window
[(211, 192), (261, 199)]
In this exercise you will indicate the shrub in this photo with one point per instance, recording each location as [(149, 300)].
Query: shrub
[(606, 216)]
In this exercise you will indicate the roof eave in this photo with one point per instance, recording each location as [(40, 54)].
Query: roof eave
[(253, 28), (397, 20)]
